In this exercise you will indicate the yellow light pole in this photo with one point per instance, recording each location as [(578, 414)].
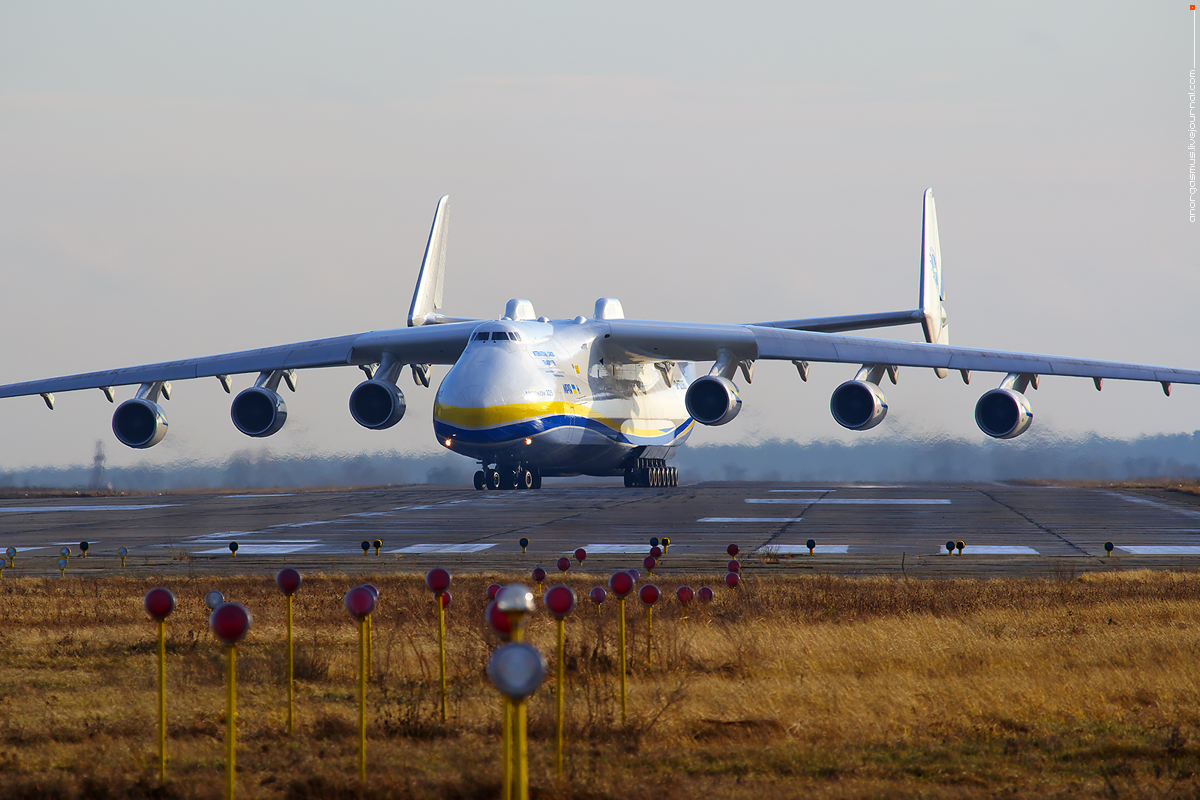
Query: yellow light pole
[(621, 584), (502, 626), (123, 553), (288, 580), (373, 589), (516, 603), (360, 602), (649, 595), (159, 603), (230, 622), (559, 601), (437, 580)]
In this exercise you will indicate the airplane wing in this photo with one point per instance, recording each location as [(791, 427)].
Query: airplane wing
[(431, 344), (646, 340)]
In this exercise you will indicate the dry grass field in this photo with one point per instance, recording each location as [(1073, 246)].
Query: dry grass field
[(825, 687)]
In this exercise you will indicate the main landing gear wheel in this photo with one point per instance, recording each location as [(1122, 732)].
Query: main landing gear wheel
[(480, 480), (493, 478), (537, 478), (524, 478)]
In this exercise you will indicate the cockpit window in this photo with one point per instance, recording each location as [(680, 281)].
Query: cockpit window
[(501, 336), (481, 337)]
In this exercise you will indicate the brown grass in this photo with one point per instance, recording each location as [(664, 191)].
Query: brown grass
[(788, 687)]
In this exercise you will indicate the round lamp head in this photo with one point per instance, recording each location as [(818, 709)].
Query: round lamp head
[(229, 622), (498, 621), (654, 541), (732, 550), (559, 600), (288, 580), (360, 602), (597, 594), (437, 579), (213, 599), (447, 599), (233, 547), (523, 542), (649, 563), (734, 566), (656, 552), (732, 580), (633, 573), (516, 669), (684, 594), (365, 545), (378, 543), (949, 547), (515, 599), (492, 591), (65, 552), (1108, 546), (122, 551), (539, 574), (621, 584), (649, 594), (11, 552), (810, 544), (564, 564), (704, 594), (580, 555), (83, 547), (159, 603), (62, 563)]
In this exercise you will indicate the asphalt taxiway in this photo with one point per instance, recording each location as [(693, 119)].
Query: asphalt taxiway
[(859, 529)]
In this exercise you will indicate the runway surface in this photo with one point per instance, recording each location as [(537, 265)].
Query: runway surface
[(859, 529)]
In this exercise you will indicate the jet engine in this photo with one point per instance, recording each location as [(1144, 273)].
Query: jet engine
[(377, 404), (139, 423), (712, 400), (1003, 413), (858, 405), (258, 412)]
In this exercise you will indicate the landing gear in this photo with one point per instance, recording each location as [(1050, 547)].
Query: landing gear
[(651, 472), (508, 476)]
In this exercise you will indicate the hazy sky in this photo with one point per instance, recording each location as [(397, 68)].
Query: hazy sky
[(183, 179)]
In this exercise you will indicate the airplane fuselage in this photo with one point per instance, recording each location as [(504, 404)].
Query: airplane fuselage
[(549, 395)]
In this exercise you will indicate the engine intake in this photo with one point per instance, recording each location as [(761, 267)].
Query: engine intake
[(858, 405), (712, 400), (139, 423), (377, 404), (258, 412), (1003, 414)]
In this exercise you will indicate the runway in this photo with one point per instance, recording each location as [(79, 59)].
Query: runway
[(1008, 530)]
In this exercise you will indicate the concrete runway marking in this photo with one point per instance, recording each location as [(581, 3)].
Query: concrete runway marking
[(1161, 550), (776, 520), (618, 548), (1145, 501), (264, 549), (242, 496), (417, 549), (807, 491), (998, 550), (31, 509), (858, 501), (791, 549)]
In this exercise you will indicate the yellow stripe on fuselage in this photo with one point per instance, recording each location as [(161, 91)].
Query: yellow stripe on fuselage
[(492, 416)]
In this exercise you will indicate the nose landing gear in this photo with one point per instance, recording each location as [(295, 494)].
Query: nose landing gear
[(508, 476)]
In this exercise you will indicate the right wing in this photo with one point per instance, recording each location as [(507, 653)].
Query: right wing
[(435, 344)]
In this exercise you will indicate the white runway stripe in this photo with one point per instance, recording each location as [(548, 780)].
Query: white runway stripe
[(31, 509), (842, 501), (997, 550), (263, 549), (790, 549), (778, 520), (618, 548), (802, 491), (1162, 550), (415, 549)]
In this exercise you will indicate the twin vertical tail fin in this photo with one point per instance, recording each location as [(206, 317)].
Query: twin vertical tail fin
[(427, 299), (933, 291)]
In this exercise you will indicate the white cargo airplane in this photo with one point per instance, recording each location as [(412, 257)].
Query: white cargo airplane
[(530, 397)]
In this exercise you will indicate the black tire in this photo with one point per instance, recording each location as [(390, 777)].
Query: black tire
[(524, 479), (493, 479), (628, 479), (480, 481), (537, 478)]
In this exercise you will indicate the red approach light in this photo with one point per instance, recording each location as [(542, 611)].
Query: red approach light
[(684, 594), (734, 566), (649, 594), (705, 594), (621, 583), (564, 564), (732, 580), (539, 574), (446, 599), (732, 550), (580, 555), (229, 622), (649, 563), (597, 594), (492, 590), (159, 603), (656, 552), (559, 600), (498, 621), (437, 579), (360, 602), (633, 573), (288, 580)]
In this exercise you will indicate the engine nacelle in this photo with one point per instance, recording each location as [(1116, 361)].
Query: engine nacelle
[(712, 400), (139, 423), (258, 412), (858, 405), (377, 404), (1003, 414)]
